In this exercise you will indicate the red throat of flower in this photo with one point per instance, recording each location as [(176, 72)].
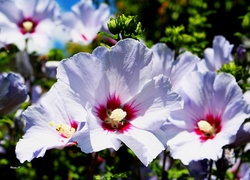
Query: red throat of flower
[(208, 128), (115, 116), (27, 26)]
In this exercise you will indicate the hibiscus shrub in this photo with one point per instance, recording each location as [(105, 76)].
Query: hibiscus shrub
[(123, 89)]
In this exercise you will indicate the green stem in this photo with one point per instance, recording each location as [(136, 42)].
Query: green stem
[(210, 169), (93, 164), (164, 164), (138, 162)]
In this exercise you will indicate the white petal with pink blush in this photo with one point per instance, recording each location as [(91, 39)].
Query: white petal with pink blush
[(124, 102), (214, 110), (50, 124)]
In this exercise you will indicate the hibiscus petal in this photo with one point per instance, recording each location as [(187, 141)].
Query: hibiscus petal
[(64, 106), (184, 64), (195, 97), (154, 103), (83, 73), (12, 35), (207, 94), (188, 147), (97, 139), (127, 65), (164, 57), (242, 136), (39, 134), (9, 9), (215, 57), (226, 91), (143, 143), (222, 51), (35, 143), (27, 7), (234, 115), (85, 21), (246, 96)]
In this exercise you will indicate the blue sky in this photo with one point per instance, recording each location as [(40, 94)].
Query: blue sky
[(66, 4)]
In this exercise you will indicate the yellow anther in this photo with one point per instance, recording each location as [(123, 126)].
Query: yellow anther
[(64, 129), (206, 127), (52, 123), (28, 26), (117, 115)]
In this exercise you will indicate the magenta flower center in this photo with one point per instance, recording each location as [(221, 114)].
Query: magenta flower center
[(27, 26), (208, 128), (116, 116)]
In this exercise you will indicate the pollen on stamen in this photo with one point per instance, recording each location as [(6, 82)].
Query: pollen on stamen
[(206, 127), (118, 115), (65, 130), (28, 26)]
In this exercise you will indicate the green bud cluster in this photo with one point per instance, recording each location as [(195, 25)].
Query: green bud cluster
[(178, 38), (125, 27), (240, 73)]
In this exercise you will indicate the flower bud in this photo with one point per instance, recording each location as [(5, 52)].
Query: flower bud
[(130, 24), (113, 27), (13, 92)]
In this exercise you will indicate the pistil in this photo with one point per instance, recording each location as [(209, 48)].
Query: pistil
[(28, 26), (64, 129), (116, 116), (206, 128)]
